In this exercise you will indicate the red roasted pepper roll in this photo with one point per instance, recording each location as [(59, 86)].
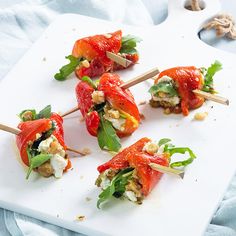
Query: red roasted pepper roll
[(129, 173), (89, 55), (41, 142), (109, 110), (173, 88)]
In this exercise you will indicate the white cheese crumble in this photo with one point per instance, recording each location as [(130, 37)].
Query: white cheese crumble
[(85, 63), (116, 123), (57, 161), (98, 97), (58, 164), (105, 182), (130, 195), (172, 100), (165, 78)]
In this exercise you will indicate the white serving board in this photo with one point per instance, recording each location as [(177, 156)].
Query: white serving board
[(175, 207)]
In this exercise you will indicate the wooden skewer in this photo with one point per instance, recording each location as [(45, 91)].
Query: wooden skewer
[(167, 170), (17, 132), (118, 59), (126, 85), (212, 97), (9, 129)]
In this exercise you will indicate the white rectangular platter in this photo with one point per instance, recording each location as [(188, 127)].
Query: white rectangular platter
[(175, 206)]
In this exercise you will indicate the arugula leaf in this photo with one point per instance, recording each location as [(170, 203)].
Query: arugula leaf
[(128, 44), (44, 113), (208, 76), (165, 87), (31, 115), (182, 150), (89, 81), (107, 137), (117, 186), (67, 69), (36, 161), (163, 141)]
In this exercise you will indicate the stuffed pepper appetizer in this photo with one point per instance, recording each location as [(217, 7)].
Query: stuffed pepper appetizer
[(41, 143), (129, 175), (89, 56), (173, 88), (109, 111)]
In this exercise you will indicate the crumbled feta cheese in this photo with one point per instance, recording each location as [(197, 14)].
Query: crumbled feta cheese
[(85, 63), (58, 164), (44, 146), (116, 123), (113, 113), (131, 196), (98, 97), (165, 78), (105, 182), (172, 100), (150, 148), (200, 116), (161, 149)]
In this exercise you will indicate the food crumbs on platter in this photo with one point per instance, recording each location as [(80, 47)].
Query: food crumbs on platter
[(44, 59), (86, 151), (80, 218), (200, 116), (212, 107), (74, 29), (167, 111), (142, 117), (88, 199), (57, 215), (142, 103), (195, 180), (81, 177), (214, 119), (72, 168)]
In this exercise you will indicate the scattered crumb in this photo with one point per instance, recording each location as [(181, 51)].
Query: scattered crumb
[(142, 117), (57, 215), (72, 168), (212, 107), (86, 151), (88, 199), (81, 177), (167, 111), (142, 103), (80, 218), (44, 59), (74, 29), (195, 180), (214, 119), (81, 119), (200, 116)]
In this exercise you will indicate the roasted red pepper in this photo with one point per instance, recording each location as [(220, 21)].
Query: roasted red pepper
[(187, 79), (134, 156), (29, 129), (94, 49), (119, 99)]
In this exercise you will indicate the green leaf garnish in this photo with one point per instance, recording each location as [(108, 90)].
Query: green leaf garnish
[(165, 87), (44, 113), (163, 141), (208, 76), (24, 117), (129, 43), (182, 150), (107, 137), (36, 161), (89, 81), (68, 68), (117, 186)]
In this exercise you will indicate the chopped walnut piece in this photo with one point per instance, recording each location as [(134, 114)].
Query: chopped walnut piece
[(200, 116), (80, 218)]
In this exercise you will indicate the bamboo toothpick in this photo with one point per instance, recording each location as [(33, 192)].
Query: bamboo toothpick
[(70, 111), (167, 170), (212, 97), (9, 129), (17, 132), (148, 75), (118, 59)]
